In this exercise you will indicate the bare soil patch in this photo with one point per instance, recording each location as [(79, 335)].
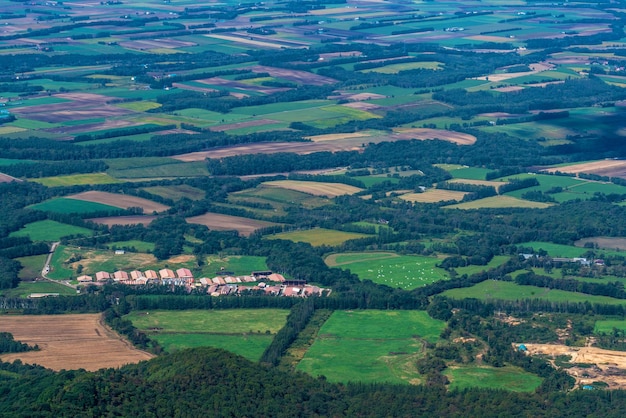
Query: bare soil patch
[(610, 168), (70, 342), (334, 137), (120, 201), (509, 89), (434, 195), (124, 220), (219, 222), (608, 366), (315, 188), (445, 135), (297, 76), (495, 184)]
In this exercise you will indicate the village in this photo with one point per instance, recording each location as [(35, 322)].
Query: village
[(224, 283)]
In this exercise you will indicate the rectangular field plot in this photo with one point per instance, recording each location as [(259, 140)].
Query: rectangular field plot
[(246, 332), (371, 346), (64, 205), (75, 179), (176, 192), (510, 378), (220, 222), (48, 230), (318, 236), (499, 202), (238, 264), (391, 269), (314, 187)]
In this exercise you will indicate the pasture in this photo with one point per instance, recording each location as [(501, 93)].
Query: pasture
[(402, 271), (25, 289), (31, 266), (67, 206), (607, 326), (219, 222), (72, 341), (246, 332), (510, 378), (493, 289), (371, 346), (555, 250), (238, 264), (76, 179), (48, 230), (314, 187), (318, 236)]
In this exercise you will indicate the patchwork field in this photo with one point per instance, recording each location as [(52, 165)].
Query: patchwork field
[(120, 201), (371, 346), (246, 332), (69, 342), (315, 188), (403, 271), (318, 236), (219, 222)]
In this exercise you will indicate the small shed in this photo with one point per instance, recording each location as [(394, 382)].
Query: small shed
[(522, 347)]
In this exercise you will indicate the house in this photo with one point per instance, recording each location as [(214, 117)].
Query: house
[(151, 274), (166, 274), (84, 279), (184, 273), (120, 275), (136, 274), (102, 276)]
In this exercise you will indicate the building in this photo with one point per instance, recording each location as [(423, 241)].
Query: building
[(120, 275), (166, 274), (102, 276)]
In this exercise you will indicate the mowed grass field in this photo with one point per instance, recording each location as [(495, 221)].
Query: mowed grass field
[(314, 187), (66, 206), (510, 378), (371, 346), (246, 332), (76, 179), (48, 230), (493, 289), (388, 268), (318, 236), (238, 264)]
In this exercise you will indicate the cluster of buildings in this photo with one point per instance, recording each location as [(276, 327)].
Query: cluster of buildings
[(224, 283)]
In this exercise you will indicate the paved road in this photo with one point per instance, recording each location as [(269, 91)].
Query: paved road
[(46, 268)]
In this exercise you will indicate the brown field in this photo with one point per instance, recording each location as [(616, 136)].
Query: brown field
[(124, 220), (160, 43), (495, 184), (334, 137), (70, 342), (433, 196), (608, 365), (442, 134), (120, 201), (606, 243), (315, 188), (247, 41), (610, 168), (240, 85), (5, 178), (300, 77), (219, 222)]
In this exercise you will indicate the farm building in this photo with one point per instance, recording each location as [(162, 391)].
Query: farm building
[(84, 279), (275, 277), (166, 274), (136, 274), (102, 276), (151, 274), (120, 275), (184, 273)]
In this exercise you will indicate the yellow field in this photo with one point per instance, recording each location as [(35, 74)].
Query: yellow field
[(499, 202), (433, 196), (10, 130), (75, 179), (141, 106), (315, 188)]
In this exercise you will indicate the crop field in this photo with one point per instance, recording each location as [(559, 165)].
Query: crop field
[(124, 220), (314, 187), (403, 271), (494, 184), (396, 68), (470, 173), (499, 202), (433, 196), (219, 222), (318, 236), (441, 134), (140, 246), (48, 230), (609, 168), (66, 205), (508, 378), (120, 201), (76, 179), (371, 346), (278, 198), (167, 169), (176, 192), (246, 332), (70, 342), (493, 289)]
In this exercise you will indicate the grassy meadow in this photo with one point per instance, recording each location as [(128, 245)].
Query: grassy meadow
[(48, 230), (67, 206), (318, 236), (508, 378)]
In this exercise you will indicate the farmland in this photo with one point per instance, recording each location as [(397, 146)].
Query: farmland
[(66, 205), (371, 346), (315, 188), (120, 201), (406, 272), (219, 222), (247, 333), (318, 236), (70, 342), (50, 231)]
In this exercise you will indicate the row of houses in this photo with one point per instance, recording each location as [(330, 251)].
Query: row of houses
[(270, 290)]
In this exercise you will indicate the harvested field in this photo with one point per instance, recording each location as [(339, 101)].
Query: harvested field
[(609, 366), (219, 222), (500, 202), (124, 220), (609, 168), (334, 137), (535, 68), (247, 41), (495, 184), (442, 134), (120, 201), (315, 188), (605, 243), (300, 77), (433, 196), (70, 342)]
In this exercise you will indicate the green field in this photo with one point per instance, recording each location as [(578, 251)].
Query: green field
[(65, 205), (509, 378), (24, 289), (371, 346), (556, 250), (31, 266), (279, 198), (495, 262), (403, 271), (318, 236), (246, 332), (493, 289), (176, 192), (140, 246), (48, 230), (240, 265), (607, 325), (75, 179)]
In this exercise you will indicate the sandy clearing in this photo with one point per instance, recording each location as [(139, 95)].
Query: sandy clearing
[(124, 220), (219, 222), (314, 187), (70, 342), (120, 201)]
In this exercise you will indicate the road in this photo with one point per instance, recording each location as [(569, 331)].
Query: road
[(46, 268)]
